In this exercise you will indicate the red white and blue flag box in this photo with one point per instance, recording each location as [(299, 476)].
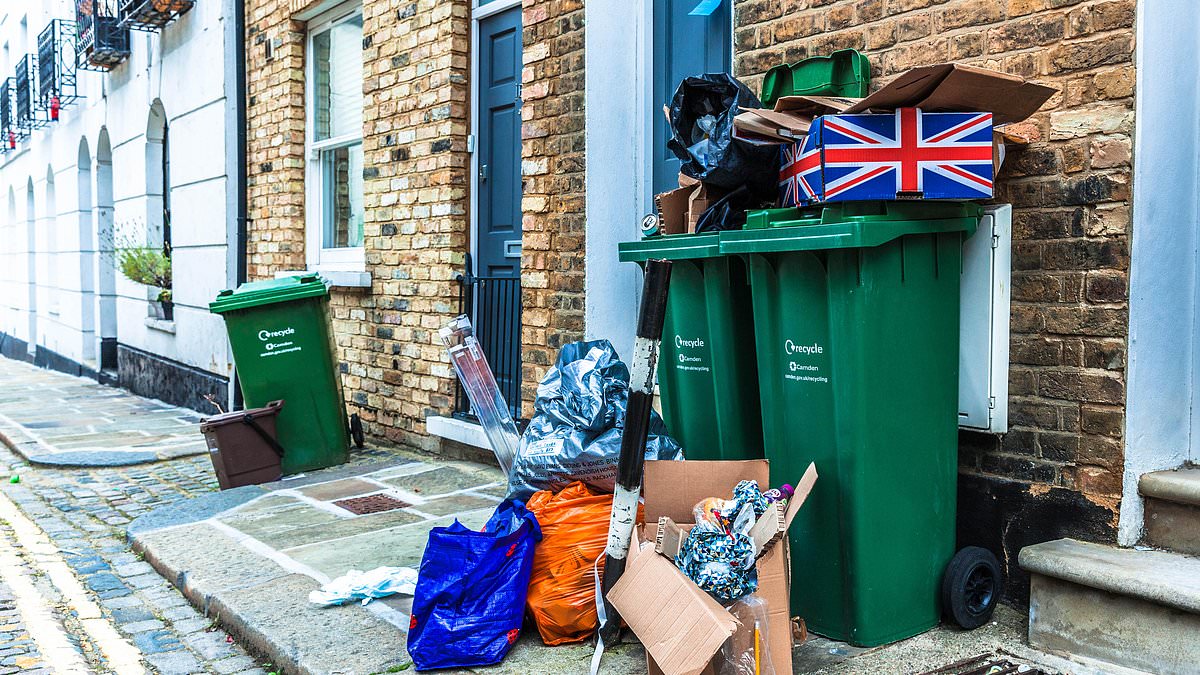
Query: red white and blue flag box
[(908, 154)]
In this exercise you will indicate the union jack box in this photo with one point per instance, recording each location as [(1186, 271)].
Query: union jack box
[(908, 154)]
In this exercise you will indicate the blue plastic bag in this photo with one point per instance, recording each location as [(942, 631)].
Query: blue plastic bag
[(470, 596)]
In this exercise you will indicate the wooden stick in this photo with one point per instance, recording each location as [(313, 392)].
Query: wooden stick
[(633, 438)]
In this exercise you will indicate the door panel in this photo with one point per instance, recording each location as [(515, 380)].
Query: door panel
[(498, 251), (683, 46)]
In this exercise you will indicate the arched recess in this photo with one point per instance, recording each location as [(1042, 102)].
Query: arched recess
[(158, 191), (87, 253), (31, 268), (11, 272), (50, 250), (106, 270)]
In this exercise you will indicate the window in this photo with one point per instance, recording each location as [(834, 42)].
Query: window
[(334, 140)]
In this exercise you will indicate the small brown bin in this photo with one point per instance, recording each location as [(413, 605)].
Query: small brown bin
[(242, 446)]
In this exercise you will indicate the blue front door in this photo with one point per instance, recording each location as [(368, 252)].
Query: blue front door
[(684, 45)]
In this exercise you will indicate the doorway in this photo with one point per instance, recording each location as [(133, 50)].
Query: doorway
[(492, 285), (684, 45)]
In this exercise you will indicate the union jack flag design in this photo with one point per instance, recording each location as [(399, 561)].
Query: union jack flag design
[(799, 174), (906, 154)]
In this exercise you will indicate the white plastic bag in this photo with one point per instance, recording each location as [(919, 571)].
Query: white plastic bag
[(354, 585)]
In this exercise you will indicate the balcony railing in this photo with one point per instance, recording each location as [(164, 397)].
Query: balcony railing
[(56, 81), (103, 42), (28, 116), (494, 305), (152, 15), (7, 116)]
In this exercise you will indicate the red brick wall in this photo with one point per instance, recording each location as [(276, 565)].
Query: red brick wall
[(552, 157)]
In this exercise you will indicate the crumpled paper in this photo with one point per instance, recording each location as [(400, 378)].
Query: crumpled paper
[(355, 585)]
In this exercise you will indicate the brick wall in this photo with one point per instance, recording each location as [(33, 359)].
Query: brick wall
[(552, 162), (1058, 471), (415, 126)]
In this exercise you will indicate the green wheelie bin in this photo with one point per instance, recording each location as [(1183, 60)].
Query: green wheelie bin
[(706, 368), (283, 347), (856, 322)]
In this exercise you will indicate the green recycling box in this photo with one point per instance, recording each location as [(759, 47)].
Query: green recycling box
[(856, 322), (706, 367), (283, 347)]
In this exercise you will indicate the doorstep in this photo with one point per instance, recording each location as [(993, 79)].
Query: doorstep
[(460, 431)]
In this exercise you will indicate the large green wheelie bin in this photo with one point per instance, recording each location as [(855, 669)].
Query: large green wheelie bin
[(856, 322), (283, 347), (707, 376)]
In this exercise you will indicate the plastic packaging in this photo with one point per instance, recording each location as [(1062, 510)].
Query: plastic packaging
[(701, 117), (470, 596), (366, 586), (480, 385), (747, 652), (718, 553), (562, 589), (575, 433)]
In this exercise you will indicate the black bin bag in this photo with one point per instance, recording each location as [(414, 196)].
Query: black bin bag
[(701, 115)]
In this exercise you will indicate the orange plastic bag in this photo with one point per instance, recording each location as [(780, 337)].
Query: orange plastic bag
[(562, 588)]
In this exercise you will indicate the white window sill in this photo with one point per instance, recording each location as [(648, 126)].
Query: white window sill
[(336, 278), (452, 429), (160, 325)]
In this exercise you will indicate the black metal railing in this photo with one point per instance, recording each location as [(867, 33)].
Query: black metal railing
[(23, 79), (494, 306), (56, 65), (151, 15), (102, 41), (6, 111)]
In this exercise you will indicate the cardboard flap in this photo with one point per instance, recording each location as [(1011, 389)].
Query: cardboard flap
[(803, 488), (680, 626), (669, 538), (814, 106), (954, 87), (671, 487)]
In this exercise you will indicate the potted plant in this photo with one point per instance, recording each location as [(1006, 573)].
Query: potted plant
[(150, 266)]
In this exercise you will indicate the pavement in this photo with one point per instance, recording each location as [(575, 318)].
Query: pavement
[(55, 419), (173, 575)]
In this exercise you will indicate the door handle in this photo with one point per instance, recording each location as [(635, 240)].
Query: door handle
[(483, 173)]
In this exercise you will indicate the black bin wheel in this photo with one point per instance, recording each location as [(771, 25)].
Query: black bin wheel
[(356, 431), (971, 587)]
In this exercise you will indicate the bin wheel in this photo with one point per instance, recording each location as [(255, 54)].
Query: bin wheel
[(356, 430), (971, 587)]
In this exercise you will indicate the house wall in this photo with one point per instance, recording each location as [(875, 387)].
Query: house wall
[(60, 324), (1058, 472), (418, 173)]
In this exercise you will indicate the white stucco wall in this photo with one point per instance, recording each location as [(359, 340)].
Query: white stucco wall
[(616, 95), (184, 69), (1160, 419)]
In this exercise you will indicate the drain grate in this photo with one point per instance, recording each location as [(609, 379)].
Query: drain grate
[(987, 664), (371, 504)]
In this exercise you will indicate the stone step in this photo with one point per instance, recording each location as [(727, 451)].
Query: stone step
[(1172, 519), (1135, 609)]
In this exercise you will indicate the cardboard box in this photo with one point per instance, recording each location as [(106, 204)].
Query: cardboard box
[(907, 154), (681, 626), (679, 210), (954, 87)]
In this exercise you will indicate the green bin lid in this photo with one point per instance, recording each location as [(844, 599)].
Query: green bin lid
[(671, 247), (847, 225), (258, 293)]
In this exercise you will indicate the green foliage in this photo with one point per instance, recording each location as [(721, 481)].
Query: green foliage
[(145, 265)]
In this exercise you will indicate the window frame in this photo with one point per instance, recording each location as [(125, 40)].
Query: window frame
[(317, 257)]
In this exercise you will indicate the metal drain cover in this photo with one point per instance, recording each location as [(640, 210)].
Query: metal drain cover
[(987, 664), (371, 504)]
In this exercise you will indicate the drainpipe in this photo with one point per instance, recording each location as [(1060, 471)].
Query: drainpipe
[(240, 180)]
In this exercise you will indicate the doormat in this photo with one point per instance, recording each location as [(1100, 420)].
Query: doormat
[(988, 664), (371, 504)]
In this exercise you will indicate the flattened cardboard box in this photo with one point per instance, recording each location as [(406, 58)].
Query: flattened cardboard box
[(681, 626)]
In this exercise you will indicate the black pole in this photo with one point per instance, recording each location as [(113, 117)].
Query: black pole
[(241, 186), (633, 437)]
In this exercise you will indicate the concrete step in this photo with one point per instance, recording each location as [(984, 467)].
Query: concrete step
[(1135, 609), (1172, 509)]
